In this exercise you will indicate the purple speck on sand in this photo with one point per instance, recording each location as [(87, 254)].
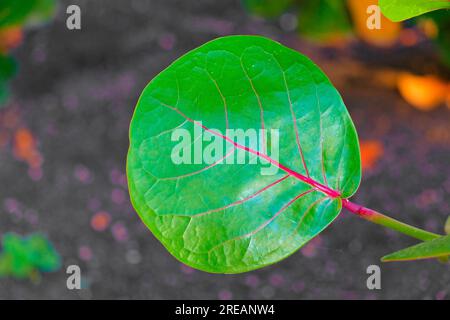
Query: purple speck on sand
[(85, 253), (252, 281), (94, 204), (330, 268), (225, 294), (118, 178), (186, 269), (11, 205), (70, 102), (276, 280), (119, 232), (35, 173), (441, 295), (298, 286), (39, 55), (31, 217), (125, 83), (167, 41), (82, 174), (118, 196), (427, 198)]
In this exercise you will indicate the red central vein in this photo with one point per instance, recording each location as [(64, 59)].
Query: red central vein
[(316, 185)]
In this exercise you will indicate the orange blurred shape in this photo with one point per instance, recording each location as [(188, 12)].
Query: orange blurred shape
[(429, 28), (371, 151), (423, 92), (10, 38), (100, 221), (24, 148), (388, 33)]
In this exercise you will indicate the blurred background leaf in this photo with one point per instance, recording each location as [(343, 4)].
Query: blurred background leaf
[(24, 256), (399, 10)]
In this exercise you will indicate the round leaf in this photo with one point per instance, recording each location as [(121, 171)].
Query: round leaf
[(234, 217)]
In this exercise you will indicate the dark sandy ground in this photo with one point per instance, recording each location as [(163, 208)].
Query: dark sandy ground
[(76, 92)]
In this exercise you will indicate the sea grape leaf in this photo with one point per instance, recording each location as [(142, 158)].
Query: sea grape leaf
[(323, 20), (436, 248), (231, 218), (399, 10), (267, 8)]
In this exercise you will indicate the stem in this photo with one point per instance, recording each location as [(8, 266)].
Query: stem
[(381, 219)]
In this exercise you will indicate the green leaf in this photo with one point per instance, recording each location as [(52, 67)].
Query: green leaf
[(399, 10), (436, 248), (14, 12), (231, 218), (267, 8), (323, 19), (8, 69), (23, 256)]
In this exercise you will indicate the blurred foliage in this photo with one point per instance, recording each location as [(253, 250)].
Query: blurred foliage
[(399, 10), (324, 20), (25, 257), (441, 37), (7, 70), (331, 20), (25, 12), (335, 21), (268, 8), (15, 16)]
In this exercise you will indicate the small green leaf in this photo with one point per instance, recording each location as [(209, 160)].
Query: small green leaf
[(230, 217), (323, 20), (23, 257), (436, 248), (17, 12), (42, 12), (8, 69), (447, 226), (399, 10), (267, 8)]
